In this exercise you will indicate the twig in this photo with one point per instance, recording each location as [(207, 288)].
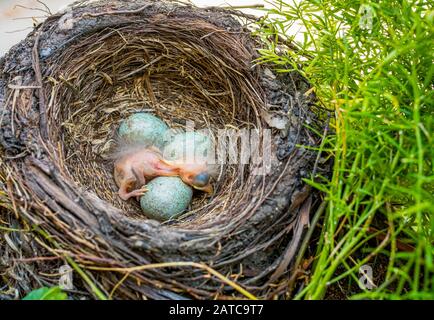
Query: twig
[(117, 12), (182, 264), (292, 246), (30, 8), (46, 7), (37, 69), (37, 259), (233, 11), (305, 243), (16, 87), (19, 30), (117, 285), (248, 6)]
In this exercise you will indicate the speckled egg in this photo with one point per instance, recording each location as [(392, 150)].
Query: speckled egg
[(143, 128), (188, 144), (166, 198)]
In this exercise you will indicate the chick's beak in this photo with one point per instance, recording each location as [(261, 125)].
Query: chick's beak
[(208, 189)]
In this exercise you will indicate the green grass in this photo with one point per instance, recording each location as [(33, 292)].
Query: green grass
[(378, 83)]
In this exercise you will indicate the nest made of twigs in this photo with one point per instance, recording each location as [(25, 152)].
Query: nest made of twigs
[(64, 91)]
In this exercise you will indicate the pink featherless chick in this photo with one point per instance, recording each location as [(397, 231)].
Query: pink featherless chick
[(136, 164)]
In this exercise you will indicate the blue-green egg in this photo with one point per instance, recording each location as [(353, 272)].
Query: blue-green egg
[(166, 198), (188, 145), (144, 128)]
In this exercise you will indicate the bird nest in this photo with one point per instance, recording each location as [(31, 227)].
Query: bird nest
[(63, 92)]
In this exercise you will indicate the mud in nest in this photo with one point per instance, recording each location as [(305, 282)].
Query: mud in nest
[(64, 91)]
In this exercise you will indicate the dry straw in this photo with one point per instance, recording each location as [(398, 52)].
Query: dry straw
[(64, 91)]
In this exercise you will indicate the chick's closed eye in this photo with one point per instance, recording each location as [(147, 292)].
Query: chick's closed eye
[(201, 180)]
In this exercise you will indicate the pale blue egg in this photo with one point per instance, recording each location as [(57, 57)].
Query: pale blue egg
[(144, 128), (166, 198), (188, 145)]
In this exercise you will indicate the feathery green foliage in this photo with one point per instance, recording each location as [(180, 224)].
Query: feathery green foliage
[(371, 64)]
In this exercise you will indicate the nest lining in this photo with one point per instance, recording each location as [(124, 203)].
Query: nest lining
[(181, 63), (105, 83)]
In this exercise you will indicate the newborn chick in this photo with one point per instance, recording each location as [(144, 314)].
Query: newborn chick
[(133, 166)]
